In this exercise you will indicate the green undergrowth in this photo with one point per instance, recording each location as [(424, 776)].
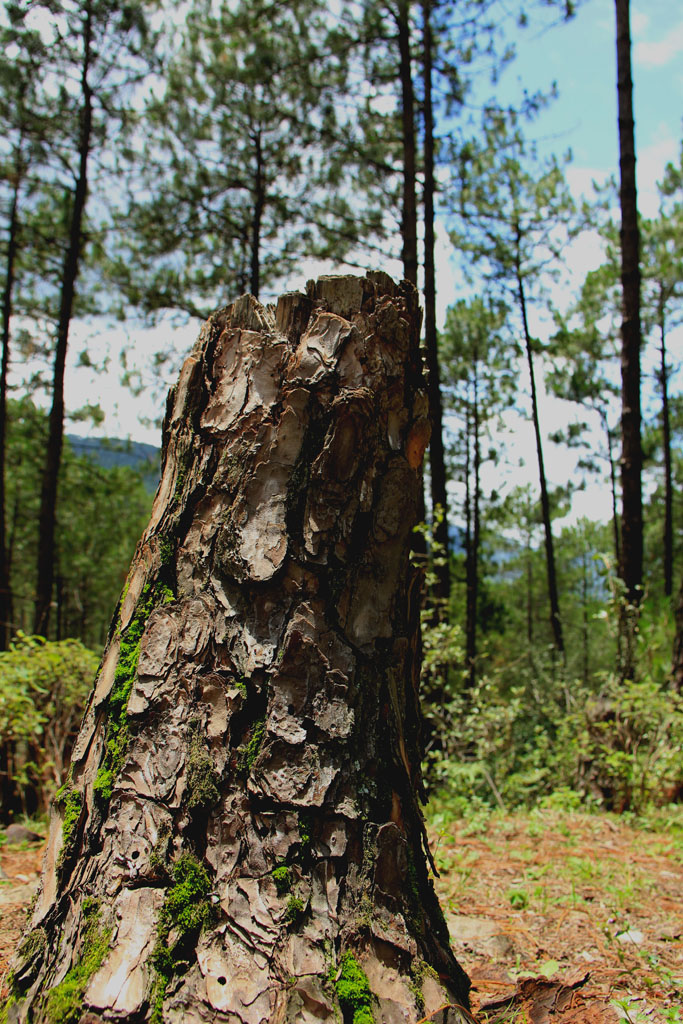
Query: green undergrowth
[(353, 991), (124, 677), (64, 1004)]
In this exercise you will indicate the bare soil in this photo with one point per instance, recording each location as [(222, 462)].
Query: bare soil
[(556, 917), (566, 917)]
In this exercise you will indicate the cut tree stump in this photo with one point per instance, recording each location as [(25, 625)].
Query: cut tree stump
[(240, 838)]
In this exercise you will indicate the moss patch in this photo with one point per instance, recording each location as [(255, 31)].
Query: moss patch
[(124, 677), (353, 991), (186, 911), (202, 778), (29, 958), (282, 877), (158, 858), (294, 911), (5, 1007), (305, 825), (64, 1004), (157, 999), (248, 753), (419, 970), (70, 802), (186, 907), (35, 942)]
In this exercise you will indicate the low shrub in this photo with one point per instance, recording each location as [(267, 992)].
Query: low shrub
[(43, 690)]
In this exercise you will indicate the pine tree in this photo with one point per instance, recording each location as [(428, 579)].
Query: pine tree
[(514, 223), (100, 48)]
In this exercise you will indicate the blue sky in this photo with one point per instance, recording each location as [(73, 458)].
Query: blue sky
[(581, 57)]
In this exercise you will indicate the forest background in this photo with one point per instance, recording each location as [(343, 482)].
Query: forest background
[(156, 164)]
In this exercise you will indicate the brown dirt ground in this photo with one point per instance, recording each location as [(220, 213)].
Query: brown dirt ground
[(556, 917), (586, 908)]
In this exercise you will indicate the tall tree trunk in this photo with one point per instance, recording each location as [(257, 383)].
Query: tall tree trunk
[(241, 837), (613, 486), (585, 636), (259, 200), (473, 537), (409, 207), (437, 459), (476, 524), (677, 660), (631, 454), (555, 619), (470, 643), (12, 244), (53, 455), (666, 441), (529, 579)]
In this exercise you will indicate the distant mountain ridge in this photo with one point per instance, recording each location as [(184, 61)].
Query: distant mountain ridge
[(112, 451)]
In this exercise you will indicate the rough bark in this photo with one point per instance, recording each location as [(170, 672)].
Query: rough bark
[(631, 452), (240, 839)]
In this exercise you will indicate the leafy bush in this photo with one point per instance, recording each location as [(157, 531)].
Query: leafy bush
[(527, 732), (43, 689)]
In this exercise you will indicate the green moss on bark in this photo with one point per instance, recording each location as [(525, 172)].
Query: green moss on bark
[(70, 803), (282, 877), (294, 911), (186, 911), (353, 991), (202, 778), (248, 753), (64, 1003), (124, 677)]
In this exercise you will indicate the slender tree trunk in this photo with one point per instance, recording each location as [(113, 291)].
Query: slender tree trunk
[(53, 455), (259, 199), (677, 660), (555, 619), (12, 244), (473, 535), (470, 643), (613, 487), (666, 440), (241, 837), (437, 458), (476, 539), (584, 617), (631, 455), (409, 211), (529, 581)]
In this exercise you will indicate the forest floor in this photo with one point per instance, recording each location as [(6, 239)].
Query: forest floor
[(565, 917), (557, 917)]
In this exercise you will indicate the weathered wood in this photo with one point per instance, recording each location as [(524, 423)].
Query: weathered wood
[(241, 838)]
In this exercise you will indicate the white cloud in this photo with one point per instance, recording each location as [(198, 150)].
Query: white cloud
[(652, 160), (639, 22), (659, 54)]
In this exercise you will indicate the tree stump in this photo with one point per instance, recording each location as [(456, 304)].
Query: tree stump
[(240, 838)]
